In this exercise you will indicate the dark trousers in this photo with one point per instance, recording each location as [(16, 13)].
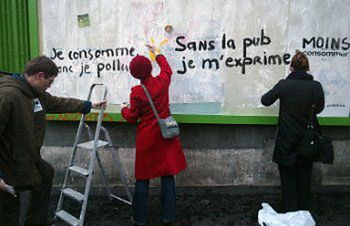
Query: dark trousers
[(9, 209), (167, 197), (38, 205), (296, 186)]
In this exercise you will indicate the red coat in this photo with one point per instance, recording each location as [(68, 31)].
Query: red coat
[(155, 156)]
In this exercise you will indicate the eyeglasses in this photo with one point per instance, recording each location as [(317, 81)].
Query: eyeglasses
[(50, 80)]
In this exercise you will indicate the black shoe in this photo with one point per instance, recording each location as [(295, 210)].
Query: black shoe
[(136, 223), (51, 221)]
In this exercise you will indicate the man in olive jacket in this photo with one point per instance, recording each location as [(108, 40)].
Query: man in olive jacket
[(23, 105)]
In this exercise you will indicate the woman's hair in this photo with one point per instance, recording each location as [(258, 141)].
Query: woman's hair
[(300, 62)]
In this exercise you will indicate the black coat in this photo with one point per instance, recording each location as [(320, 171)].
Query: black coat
[(295, 94)]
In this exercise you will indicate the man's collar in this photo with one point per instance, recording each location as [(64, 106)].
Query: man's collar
[(27, 87)]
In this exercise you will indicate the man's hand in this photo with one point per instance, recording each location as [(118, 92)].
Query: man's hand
[(2, 185), (99, 105), (7, 188)]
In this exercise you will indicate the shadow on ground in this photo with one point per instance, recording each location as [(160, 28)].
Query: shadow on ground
[(208, 208)]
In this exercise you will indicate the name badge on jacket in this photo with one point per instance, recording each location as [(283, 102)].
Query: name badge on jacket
[(37, 105)]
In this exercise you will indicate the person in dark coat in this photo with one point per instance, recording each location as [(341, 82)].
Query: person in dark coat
[(23, 105), (155, 156), (298, 93)]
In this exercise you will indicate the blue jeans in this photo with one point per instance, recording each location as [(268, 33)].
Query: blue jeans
[(167, 197)]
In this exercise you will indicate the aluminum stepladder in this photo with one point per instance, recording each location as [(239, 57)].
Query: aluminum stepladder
[(93, 146)]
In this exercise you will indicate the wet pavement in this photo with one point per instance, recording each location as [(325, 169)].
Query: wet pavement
[(212, 206)]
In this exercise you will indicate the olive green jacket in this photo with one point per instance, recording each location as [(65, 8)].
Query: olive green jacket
[(22, 129)]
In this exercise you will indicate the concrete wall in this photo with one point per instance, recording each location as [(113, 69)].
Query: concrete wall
[(217, 155)]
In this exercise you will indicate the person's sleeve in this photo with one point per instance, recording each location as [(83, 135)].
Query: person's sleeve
[(56, 105), (132, 113), (5, 108), (319, 101), (86, 107), (272, 95), (165, 69)]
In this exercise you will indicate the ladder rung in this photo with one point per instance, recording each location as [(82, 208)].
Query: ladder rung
[(120, 199), (90, 144), (79, 170), (66, 217), (73, 194)]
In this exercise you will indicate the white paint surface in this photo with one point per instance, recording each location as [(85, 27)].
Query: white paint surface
[(118, 23)]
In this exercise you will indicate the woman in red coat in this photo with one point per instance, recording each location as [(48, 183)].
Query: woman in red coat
[(155, 156)]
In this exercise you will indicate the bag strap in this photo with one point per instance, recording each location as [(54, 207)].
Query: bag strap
[(8, 73), (150, 101)]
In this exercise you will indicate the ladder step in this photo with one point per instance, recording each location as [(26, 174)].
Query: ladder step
[(73, 194), (79, 170), (66, 217), (90, 144), (120, 199)]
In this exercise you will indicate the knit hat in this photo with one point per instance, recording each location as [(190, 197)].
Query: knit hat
[(140, 67)]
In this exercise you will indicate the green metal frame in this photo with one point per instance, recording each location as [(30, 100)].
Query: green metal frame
[(33, 28), (181, 118), (14, 41), (203, 119)]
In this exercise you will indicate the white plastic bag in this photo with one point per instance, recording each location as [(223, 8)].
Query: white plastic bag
[(267, 216)]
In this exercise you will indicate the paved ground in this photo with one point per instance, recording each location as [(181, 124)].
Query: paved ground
[(218, 206)]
